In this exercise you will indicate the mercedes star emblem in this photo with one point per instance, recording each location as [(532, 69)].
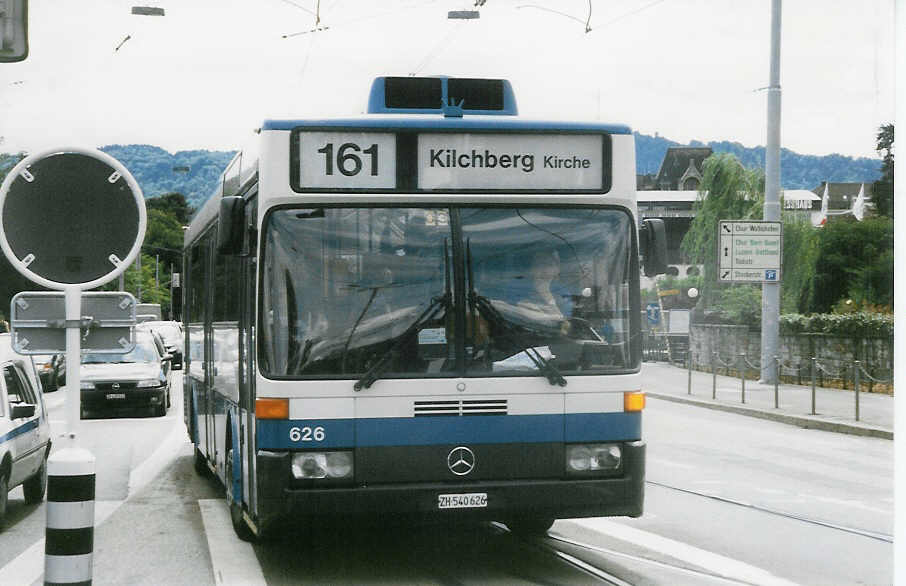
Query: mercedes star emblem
[(461, 461)]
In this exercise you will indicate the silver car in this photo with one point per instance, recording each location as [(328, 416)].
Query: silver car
[(138, 379)]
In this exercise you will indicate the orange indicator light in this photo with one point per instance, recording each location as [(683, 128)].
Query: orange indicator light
[(633, 401), (272, 408)]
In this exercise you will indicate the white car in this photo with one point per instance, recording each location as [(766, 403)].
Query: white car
[(24, 428), (172, 335)]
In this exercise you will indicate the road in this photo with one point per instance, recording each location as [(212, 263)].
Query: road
[(730, 499)]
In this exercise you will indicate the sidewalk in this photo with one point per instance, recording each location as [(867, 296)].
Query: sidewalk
[(835, 408)]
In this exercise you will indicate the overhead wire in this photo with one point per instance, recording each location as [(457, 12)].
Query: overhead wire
[(436, 49), (630, 13)]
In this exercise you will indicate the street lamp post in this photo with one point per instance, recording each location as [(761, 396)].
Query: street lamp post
[(770, 292)]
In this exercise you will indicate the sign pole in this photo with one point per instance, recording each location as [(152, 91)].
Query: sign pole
[(73, 301)]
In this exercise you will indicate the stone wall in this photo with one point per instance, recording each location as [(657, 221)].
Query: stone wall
[(835, 354)]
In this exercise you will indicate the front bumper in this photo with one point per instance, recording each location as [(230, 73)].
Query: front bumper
[(114, 399), (552, 498)]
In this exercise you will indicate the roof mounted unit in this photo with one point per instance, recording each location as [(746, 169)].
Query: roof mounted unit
[(441, 95)]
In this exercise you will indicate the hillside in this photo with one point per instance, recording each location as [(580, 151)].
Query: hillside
[(195, 173), (796, 171), (192, 173)]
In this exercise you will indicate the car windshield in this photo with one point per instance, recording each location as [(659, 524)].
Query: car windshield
[(347, 291), (144, 351)]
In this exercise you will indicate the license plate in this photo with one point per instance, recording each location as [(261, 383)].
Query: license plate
[(472, 500), (116, 395)]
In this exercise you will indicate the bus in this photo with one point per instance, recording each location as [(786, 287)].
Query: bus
[(428, 311)]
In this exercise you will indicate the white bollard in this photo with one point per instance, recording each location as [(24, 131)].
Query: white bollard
[(69, 538)]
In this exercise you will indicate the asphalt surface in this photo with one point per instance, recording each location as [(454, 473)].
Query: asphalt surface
[(834, 409)]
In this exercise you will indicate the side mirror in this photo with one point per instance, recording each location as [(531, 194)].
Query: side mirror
[(13, 30), (653, 246), (230, 225), (21, 411)]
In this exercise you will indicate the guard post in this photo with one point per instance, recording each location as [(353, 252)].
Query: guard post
[(71, 219)]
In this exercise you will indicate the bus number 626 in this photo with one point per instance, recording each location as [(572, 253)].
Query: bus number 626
[(347, 160), (307, 434)]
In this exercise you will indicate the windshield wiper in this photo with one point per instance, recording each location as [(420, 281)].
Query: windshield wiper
[(430, 313), (490, 313)]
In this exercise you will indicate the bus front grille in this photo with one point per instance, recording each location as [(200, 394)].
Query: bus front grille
[(460, 408)]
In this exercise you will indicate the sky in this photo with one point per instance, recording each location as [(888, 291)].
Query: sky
[(207, 73)]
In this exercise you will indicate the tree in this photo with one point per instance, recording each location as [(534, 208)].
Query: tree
[(855, 261), (173, 203), (728, 191), (882, 190), (800, 252)]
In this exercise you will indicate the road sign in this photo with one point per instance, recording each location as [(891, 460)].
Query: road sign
[(38, 322), (71, 217), (749, 251), (653, 312)]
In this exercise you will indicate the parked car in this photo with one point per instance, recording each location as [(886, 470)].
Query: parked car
[(172, 334), (24, 428), (137, 379)]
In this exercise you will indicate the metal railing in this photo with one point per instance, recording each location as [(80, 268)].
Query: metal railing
[(741, 366)]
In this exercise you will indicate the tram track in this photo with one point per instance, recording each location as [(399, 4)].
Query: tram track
[(570, 552), (851, 530), (539, 543)]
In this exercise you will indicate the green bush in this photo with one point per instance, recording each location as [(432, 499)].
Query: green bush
[(859, 324)]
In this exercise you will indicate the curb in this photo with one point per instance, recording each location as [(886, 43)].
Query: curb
[(804, 421)]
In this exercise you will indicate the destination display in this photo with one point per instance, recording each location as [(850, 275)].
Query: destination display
[(510, 161), (347, 160), (440, 161)]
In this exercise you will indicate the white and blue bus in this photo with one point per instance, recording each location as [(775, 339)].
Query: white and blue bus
[(429, 310)]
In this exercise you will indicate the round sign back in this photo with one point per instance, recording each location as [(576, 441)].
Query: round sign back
[(71, 217)]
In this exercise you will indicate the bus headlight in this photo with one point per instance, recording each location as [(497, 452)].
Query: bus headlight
[(311, 465), (86, 385), (584, 458)]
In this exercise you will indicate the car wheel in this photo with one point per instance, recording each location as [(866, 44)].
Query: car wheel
[(4, 498), (161, 409), (35, 487), (530, 526), (243, 531)]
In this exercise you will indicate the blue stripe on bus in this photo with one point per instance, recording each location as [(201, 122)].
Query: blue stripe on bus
[(33, 424), (410, 431)]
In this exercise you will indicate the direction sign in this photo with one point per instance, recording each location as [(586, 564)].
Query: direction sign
[(749, 251), (38, 322), (71, 217)]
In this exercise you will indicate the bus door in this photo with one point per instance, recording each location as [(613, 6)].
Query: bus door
[(247, 318), (197, 321)]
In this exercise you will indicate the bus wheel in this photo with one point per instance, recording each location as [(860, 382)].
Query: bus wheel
[(243, 531), (530, 526)]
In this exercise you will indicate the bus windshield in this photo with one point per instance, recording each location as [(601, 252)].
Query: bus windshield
[(538, 290)]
